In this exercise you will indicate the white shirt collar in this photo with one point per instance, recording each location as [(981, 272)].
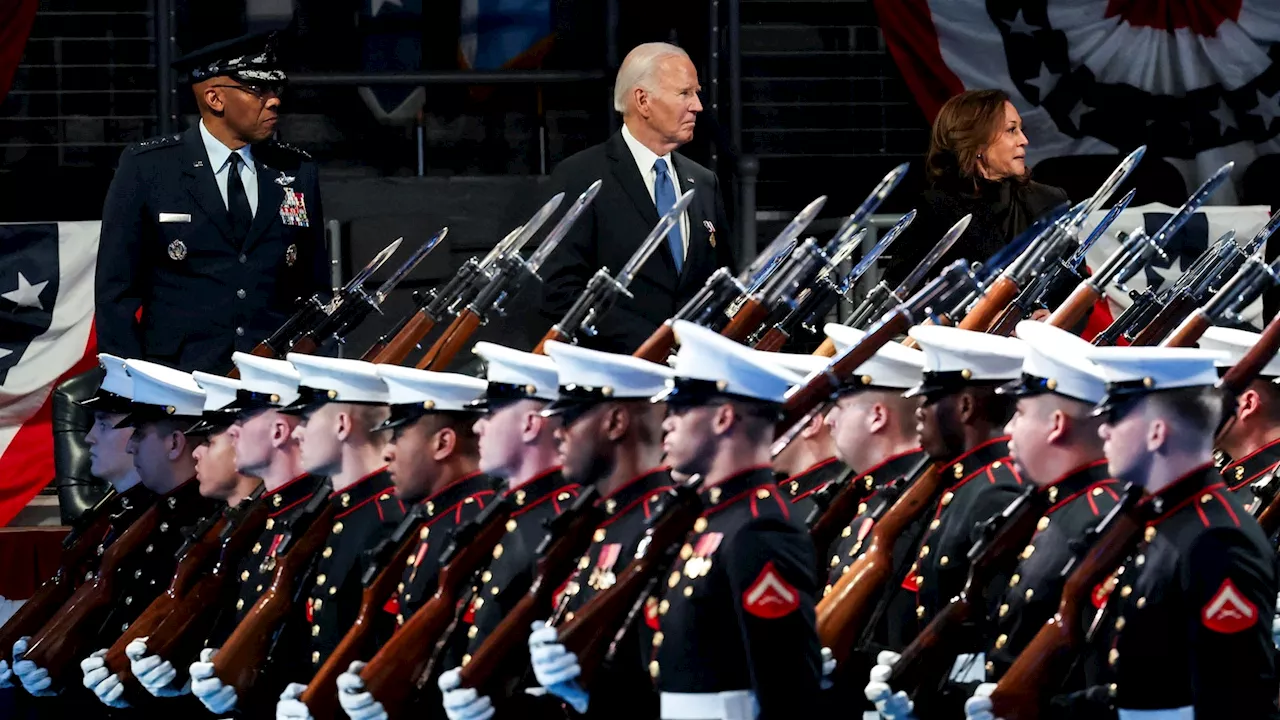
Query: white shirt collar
[(645, 158), (220, 154)]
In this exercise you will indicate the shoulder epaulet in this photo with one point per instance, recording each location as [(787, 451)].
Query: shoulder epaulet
[(155, 143)]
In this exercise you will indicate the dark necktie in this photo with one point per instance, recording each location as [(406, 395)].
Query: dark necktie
[(238, 210)]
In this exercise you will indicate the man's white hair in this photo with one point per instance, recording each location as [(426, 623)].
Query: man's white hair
[(638, 69)]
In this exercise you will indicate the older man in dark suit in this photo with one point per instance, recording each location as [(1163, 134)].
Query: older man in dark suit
[(657, 93)]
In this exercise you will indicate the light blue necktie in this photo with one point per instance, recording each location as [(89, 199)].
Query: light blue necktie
[(664, 196)]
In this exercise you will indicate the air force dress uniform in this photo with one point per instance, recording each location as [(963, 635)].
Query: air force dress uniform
[(206, 283), (1187, 624), (414, 394), (734, 625)]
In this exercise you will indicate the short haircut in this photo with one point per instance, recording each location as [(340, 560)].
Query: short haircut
[(364, 417), (638, 69), (995, 409), (758, 419), (1196, 410), (462, 425)]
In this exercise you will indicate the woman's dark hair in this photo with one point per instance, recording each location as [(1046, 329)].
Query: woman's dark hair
[(965, 124)]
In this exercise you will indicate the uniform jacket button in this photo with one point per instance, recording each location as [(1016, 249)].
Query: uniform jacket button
[(241, 293)]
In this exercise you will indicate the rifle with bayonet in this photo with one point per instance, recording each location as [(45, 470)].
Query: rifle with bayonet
[(353, 311), (1049, 280), (315, 310), (815, 301), (713, 300), (1193, 288), (202, 583), (927, 659), (380, 580), (510, 273), (401, 668), (603, 289), (82, 549), (436, 306), (882, 297), (242, 658), (1228, 305), (498, 665), (746, 312), (1041, 666), (1145, 304)]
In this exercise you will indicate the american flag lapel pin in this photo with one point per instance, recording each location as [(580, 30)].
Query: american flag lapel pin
[(711, 232)]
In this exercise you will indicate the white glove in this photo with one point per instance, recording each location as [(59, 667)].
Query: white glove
[(208, 688), (463, 703), (1275, 636), (104, 683), (6, 675), (290, 707), (555, 667), (891, 705), (828, 667), (153, 672), (978, 707), (357, 702), (35, 680)]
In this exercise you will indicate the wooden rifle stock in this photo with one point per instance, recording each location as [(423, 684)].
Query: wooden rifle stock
[(844, 612), (1042, 665), (590, 632), (746, 320), (1075, 307), (1166, 320), (1269, 518), (306, 345), (63, 641), (1006, 322), (773, 340), (997, 297), (321, 695), (392, 673), (927, 660), (839, 513), (826, 349), (398, 348), (186, 574), (499, 664), (242, 657), (447, 345), (79, 556), (1188, 332), (552, 334), (658, 346)]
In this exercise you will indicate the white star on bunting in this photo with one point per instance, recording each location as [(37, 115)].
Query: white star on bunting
[(1268, 108), (27, 295), (1077, 113), (1019, 25), (1044, 82), (376, 5), (1225, 117)]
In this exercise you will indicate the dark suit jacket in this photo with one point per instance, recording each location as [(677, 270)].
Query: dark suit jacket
[(201, 293), (611, 230)]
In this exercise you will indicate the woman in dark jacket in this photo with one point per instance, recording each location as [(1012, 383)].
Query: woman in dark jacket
[(976, 165)]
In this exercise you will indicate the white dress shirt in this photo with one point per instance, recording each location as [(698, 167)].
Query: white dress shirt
[(645, 158), (220, 160)]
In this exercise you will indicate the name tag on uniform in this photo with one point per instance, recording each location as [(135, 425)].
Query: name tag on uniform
[(175, 217), (293, 209)]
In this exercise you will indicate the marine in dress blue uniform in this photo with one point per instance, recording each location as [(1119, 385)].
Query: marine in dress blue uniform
[(213, 259), (1248, 446)]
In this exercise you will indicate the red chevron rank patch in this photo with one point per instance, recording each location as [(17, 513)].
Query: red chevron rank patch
[(770, 596), (1229, 611)]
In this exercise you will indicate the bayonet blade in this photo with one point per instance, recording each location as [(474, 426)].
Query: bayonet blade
[(1263, 234), (768, 270), (534, 224), (845, 250), (868, 260), (501, 248), (562, 228), (408, 266), (1108, 187), (1103, 224), (922, 270), (654, 240), (788, 234), (879, 193), (1193, 203), (377, 262)]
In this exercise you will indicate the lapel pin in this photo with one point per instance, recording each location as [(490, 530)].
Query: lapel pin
[(711, 230), (198, 163), (285, 179)]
